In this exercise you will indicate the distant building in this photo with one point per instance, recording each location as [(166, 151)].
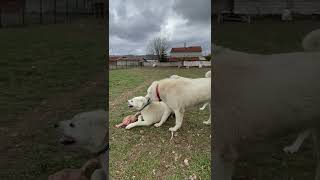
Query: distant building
[(266, 7), (151, 58), (192, 53)]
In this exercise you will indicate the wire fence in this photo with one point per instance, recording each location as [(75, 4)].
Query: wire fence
[(24, 12), (125, 64)]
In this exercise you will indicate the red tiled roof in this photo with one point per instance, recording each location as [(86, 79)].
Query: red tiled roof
[(187, 49), (184, 59), (114, 58)]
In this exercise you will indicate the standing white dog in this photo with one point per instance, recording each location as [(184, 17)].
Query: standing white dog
[(179, 94)]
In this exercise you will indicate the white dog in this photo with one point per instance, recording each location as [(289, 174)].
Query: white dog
[(179, 94), (88, 130), (151, 112), (262, 95)]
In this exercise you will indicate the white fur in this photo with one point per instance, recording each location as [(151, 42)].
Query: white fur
[(276, 72), (293, 148), (155, 113), (208, 74), (89, 131), (181, 93)]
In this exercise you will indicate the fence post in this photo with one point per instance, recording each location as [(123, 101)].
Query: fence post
[(0, 17), (55, 12), (40, 15), (67, 11), (23, 12)]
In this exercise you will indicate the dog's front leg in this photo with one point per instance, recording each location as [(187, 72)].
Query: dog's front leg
[(98, 174), (129, 126), (209, 120), (164, 118), (179, 118), (140, 122)]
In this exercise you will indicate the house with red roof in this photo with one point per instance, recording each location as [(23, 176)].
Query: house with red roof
[(191, 53)]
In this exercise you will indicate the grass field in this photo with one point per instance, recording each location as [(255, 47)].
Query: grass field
[(48, 73), (270, 36), (147, 152)]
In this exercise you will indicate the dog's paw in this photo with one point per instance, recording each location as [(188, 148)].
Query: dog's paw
[(157, 124), (207, 122), (128, 127), (290, 150), (173, 129)]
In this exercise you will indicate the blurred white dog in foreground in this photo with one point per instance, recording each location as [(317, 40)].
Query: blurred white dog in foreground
[(88, 130)]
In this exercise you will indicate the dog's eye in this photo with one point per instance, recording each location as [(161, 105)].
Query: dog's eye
[(71, 125)]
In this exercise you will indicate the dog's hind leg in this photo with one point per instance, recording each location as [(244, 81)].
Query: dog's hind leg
[(209, 120), (179, 118), (293, 148)]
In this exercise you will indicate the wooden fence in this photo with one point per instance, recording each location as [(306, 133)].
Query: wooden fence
[(124, 64), (49, 12)]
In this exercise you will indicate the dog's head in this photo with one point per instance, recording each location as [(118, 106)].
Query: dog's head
[(137, 102), (175, 77), (86, 130), (152, 91)]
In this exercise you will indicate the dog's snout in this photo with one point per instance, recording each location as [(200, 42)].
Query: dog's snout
[(55, 125)]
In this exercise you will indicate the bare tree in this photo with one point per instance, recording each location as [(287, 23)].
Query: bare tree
[(159, 47)]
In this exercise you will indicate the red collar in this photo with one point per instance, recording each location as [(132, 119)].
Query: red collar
[(157, 91)]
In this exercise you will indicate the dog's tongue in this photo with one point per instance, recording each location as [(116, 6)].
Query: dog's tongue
[(66, 140)]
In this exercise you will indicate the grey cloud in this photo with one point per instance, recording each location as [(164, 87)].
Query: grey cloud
[(133, 23), (196, 11)]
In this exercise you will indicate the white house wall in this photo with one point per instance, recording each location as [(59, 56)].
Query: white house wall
[(184, 54)]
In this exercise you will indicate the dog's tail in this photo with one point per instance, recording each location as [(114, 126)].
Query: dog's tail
[(208, 74), (311, 41)]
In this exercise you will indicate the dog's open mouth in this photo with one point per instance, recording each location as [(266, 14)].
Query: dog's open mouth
[(67, 140), (130, 106)]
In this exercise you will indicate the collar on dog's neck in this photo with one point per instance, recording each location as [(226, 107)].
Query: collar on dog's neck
[(149, 101), (103, 150), (157, 91)]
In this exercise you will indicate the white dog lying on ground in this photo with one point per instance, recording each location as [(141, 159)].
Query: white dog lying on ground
[(88, 130), (151, 112), (180, 93)]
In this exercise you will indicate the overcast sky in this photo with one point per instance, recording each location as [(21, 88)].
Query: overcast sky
[(133, 23)]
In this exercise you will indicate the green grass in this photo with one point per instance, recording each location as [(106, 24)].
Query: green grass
[(38, 61), (267, 37), (146, 152), (45, 71)]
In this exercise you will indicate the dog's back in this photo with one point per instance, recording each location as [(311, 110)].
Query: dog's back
[(264, 94)]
